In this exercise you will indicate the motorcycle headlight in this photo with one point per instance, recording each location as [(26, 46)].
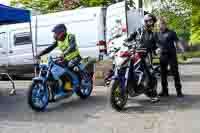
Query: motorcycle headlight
[(43, 69), (43, 73)]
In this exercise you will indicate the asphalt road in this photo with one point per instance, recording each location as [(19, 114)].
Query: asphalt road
[(94, 115)]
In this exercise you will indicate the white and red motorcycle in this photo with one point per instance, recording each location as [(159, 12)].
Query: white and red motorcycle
[(133, 75)]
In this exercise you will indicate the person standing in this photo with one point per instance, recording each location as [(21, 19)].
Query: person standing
[(167, 41)]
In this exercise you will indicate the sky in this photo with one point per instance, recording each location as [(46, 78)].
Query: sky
[(5, 2)]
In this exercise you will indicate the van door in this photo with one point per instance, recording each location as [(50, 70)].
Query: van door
[(116, 25), (134, 19), (20, 52), (3, 49)]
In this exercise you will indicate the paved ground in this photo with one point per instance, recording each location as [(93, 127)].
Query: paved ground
[(94, 115)]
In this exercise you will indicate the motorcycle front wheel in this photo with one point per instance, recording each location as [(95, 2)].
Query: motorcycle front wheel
[(38, 96), (117, 100)]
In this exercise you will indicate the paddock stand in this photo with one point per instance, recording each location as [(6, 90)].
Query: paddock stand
[(13, 90)]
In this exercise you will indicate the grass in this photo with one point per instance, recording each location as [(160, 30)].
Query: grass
[(192, 54), (182, 57)]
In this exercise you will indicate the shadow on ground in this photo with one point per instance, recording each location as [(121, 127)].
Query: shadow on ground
[(72, 110), (165, 104)]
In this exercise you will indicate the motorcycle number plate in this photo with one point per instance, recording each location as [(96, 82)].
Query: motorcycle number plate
[(44, 60)]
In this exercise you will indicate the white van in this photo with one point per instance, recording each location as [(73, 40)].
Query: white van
[(87, 24), (93, 28), (15, 40)]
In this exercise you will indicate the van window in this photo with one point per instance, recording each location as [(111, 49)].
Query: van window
[(22, 38), (3, 39)]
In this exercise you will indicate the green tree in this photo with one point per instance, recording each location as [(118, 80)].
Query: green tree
[(43, 6), (178, 15), (147, 3), (195, 19), (46, 6), (183, 16), (92, 3), (195, 29)]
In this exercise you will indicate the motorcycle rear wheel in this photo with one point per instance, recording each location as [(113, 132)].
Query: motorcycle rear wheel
[(116, 99), (86, 86)]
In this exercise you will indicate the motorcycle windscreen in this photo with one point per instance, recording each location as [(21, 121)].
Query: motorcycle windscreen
[(134, 19), (116, 26)]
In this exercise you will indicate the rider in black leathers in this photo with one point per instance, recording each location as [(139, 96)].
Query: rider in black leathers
[(145, 37)]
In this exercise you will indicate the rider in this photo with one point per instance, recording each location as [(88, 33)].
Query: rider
[(145, 37), (66, 42)]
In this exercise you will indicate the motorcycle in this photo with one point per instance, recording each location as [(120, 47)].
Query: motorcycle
[(114, 50), (114, 45), (56, 81), (133, 76)]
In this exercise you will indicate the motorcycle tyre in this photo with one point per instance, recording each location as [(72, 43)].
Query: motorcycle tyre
[(113, 86), (31, 104), (83, 96)]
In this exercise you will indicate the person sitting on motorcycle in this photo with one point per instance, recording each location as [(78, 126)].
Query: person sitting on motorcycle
[(66, 42), (145, 37)]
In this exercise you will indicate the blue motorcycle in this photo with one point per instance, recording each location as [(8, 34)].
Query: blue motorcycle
[(57, 81)]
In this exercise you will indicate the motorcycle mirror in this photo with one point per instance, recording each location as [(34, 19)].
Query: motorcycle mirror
[(116, 49)]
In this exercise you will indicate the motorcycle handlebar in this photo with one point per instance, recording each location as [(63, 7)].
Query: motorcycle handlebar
[(57, 58), (141, 50), (138, 50), (53, 58)]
